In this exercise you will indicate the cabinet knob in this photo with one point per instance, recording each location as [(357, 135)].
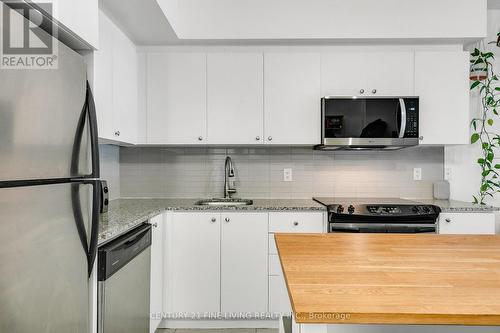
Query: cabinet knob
[(154, 225), (200, 138), (421, 138), (374, 91), (213, 220), (117, 133), (270, 138), (295, 223), (361, 91), (227, 219), (447, 220), (257, 138)]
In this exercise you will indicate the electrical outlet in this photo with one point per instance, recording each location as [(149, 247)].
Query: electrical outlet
[(417, 173), (447, 173), (287, 175)]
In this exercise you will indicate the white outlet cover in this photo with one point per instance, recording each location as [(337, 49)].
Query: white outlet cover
[(287, 175), (417, 173)]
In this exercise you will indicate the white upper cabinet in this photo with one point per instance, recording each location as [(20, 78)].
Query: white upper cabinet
[(103, 78), (115, 84), (235, 98), (244, 252), (176, 98), (292, 108), (125, 105), (367, 73), (442, 83)]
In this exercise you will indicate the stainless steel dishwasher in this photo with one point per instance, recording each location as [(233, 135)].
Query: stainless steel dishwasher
[(123, 290)]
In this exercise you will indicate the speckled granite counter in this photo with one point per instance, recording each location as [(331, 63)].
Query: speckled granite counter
[(453, 206), (125, 214)]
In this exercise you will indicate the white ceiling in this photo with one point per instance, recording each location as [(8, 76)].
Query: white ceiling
[(142, 20)]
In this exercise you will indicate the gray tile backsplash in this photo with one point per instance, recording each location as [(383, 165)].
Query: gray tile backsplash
[(199, 172), (110, 168)]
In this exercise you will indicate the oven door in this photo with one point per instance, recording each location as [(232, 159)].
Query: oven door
[(392, 228), (369, 122)]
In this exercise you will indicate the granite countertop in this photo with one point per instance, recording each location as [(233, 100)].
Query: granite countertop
[(125, 214)]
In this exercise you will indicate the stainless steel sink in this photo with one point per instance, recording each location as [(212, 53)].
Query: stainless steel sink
[(224, 202)]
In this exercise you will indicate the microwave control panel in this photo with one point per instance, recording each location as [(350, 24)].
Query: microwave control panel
[(411, 130)]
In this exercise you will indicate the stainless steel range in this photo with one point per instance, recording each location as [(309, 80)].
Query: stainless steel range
[(372, 215)]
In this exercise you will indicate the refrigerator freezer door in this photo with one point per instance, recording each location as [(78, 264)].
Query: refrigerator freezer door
[(44, 284), (39, 116)]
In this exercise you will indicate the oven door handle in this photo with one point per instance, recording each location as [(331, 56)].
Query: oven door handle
[(402, 128)]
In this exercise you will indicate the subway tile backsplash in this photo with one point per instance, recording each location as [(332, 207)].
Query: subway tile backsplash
[(199, 172)]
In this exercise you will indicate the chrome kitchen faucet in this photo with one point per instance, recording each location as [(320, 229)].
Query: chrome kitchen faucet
[(229, 187)]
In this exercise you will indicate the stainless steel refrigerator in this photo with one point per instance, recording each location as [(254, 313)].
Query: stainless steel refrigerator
[(49, 197)]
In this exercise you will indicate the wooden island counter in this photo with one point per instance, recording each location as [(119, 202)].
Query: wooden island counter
[(405, 279)]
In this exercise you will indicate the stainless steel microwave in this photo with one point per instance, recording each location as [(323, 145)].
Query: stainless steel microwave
[(369, 123)]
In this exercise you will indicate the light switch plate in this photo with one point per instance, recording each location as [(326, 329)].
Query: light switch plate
[(417, 173), (287, 175)]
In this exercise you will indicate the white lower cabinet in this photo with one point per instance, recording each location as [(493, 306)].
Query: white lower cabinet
[(157, 277), (193, 266), (467, 223), (244, 262)]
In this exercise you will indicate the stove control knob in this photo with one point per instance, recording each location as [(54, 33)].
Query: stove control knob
[(427, 209), (350, 209), (340, 209), (414, 209)]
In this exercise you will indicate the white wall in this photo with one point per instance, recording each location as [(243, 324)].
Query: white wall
[(461, 160)]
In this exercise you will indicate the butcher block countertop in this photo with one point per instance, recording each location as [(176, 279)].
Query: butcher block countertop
[(392, 278)]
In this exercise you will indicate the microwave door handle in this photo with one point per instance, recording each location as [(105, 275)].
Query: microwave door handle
[(402, 128)]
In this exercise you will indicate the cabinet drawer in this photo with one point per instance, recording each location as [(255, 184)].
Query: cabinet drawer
[(279, 301), (467, 223), (296, 222), (275, 265), (272, 245)]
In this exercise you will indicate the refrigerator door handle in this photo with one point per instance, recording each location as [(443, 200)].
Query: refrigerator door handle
[(90, 248), (88, 112), (94, 137), (94, 231)]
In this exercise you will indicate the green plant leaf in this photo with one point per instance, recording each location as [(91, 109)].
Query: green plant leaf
[(490, 157), (490, 122), (474, 84), (497, 166), (480, 161), (474, 137)]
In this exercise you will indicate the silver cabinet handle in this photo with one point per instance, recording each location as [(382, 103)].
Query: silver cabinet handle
[(270, 138), (227, 219), (257, 138), (200, 138), (447, 220), (374, 91), (213, 220), (117, 133), (295, 223), (361, 91), (420, 138)]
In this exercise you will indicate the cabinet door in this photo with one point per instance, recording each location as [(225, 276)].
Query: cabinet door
[(244, 254), (442, 83), (194, 262), (176, 98), (125, 66), (292, 108), (157, 277), (467, 223), (279, 301), (103, 79), (235, 98), (343, 74), (389, 73)]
